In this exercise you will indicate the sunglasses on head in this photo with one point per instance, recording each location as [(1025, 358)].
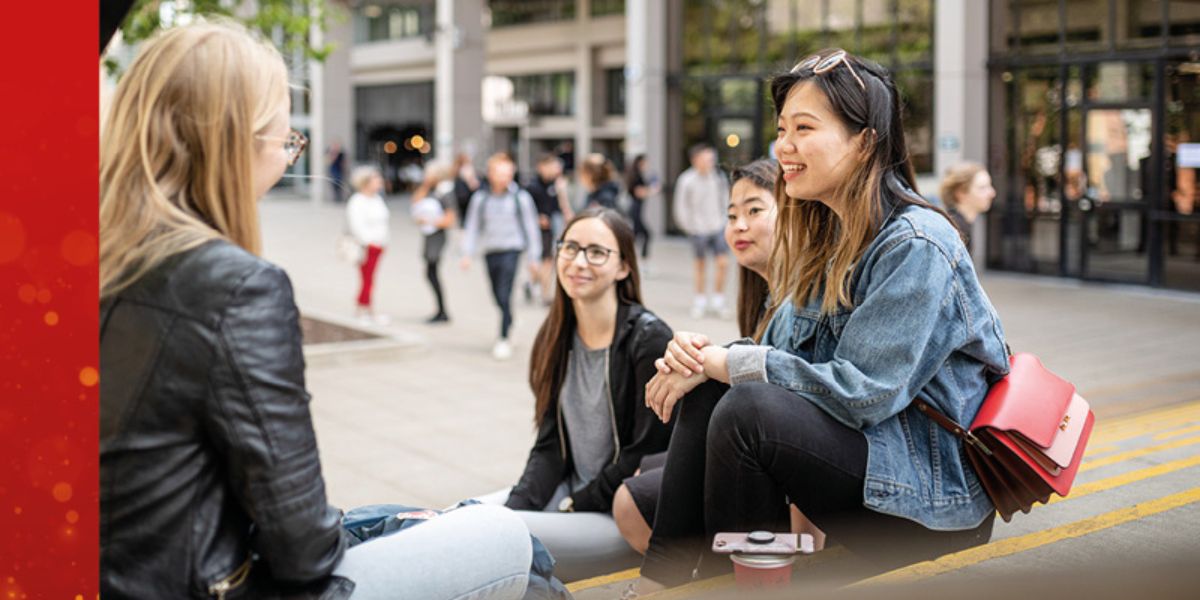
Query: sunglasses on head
[(821, 65)]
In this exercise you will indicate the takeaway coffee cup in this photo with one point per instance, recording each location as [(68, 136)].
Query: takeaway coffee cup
[(761, 571)]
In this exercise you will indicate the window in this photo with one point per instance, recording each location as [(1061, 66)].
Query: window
[(726, 41), (377, 21), (522, 12), (601, 8), (614, 88), (546, 93)]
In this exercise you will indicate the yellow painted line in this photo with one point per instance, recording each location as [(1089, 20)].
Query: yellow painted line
[(1014, 545), (1096, 463), (1122, 428), (1170, 411), (594, 582), (1125, 433), (1170, 434), (1115, 481)]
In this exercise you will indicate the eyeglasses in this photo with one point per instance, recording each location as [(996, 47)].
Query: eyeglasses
[(594, 255), (821, 65), (294, 144)]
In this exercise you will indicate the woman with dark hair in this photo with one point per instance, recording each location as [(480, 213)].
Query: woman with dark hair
[(640, 186), (598, 178), (874, 302), (749, 231), (591, 360)]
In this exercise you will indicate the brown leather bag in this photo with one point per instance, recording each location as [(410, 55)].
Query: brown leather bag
[(1028, 438)]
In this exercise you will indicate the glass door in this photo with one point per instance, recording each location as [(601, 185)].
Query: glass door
[(1116, 168)]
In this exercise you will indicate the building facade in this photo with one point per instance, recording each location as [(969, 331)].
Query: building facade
[(1083, 110)]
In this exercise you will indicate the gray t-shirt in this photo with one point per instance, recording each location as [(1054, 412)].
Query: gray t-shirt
[(586, 413)]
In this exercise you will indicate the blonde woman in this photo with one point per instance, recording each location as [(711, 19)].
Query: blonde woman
[(210, 480), (367, 217), (967, 192), (433, 209)]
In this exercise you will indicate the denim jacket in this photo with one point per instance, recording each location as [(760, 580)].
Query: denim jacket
[(921, 326)]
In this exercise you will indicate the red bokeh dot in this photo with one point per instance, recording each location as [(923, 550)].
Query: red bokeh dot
[(27, 293), (12, 238), (51, 318), (62, 491), (44, 296), (88, 376), (79, 248)]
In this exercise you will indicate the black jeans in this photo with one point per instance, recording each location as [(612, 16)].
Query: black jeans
[(431, 273), (739, 455), (639, 226), (502, 271)]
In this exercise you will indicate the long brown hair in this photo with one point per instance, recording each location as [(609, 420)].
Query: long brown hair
[(752, 288), (177, 147), (815, 251), (551, 347)]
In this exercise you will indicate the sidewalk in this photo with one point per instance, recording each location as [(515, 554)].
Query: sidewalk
[(435, 419)]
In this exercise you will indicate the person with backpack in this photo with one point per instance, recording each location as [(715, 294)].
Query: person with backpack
[(502, 222)]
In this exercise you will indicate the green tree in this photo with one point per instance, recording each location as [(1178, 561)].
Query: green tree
[(288, 23)]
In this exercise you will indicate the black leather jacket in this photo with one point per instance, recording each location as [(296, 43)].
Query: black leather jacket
[(640, 338), (207, 453)]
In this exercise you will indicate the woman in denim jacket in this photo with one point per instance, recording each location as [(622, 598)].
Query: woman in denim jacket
[(876, 302)]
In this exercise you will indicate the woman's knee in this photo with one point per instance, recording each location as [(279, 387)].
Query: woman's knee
[(629, 520), (741, 407), (500, 532)]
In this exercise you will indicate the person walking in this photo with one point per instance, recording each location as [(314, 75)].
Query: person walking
[(434, 210), (367, 217), (641, 186), (967, 193), (597, 177), (502, 222), (548, 188), (699, 207)]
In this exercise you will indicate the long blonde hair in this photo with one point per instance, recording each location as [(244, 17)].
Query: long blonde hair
[(815, 252), (178, 146), (958, 179)]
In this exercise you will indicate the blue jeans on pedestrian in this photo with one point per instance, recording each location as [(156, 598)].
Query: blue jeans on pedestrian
[(473, 552), (502, 271)]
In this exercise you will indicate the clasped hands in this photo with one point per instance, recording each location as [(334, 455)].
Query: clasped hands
[(690, 360)]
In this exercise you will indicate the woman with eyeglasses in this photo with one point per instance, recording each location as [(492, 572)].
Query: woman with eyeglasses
[(210, 481), (591, 361), (874, 302)]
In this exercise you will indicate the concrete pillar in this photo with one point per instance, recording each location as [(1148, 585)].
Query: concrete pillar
[(458, 84), (332, 103), (646, 94), (960, 90), (585, 78)]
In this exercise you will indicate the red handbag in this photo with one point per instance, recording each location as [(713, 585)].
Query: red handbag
[(1028, 438)]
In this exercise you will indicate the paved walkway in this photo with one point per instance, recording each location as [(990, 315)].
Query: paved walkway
[(426, 417)]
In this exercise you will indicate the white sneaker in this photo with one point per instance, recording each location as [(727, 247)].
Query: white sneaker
[(717, 308), (382, 319), (698, 307), (502, 350)]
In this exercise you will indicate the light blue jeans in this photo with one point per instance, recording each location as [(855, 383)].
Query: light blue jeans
[(583, 544), (474, 552)]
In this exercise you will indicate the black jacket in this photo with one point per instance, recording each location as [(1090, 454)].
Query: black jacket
[(640, 338), (605, 195), (207, 452)]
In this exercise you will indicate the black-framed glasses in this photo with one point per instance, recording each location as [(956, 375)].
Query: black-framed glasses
[(594, 255), (821, 65), (294, 144)]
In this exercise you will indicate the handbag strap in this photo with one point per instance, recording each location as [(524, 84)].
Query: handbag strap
[(950, 425)]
